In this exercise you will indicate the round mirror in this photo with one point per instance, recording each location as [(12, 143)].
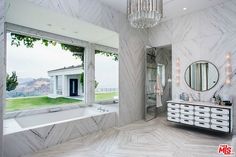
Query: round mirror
[(201, 76)]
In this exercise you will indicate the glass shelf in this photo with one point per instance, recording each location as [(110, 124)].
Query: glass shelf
[(152, 68), (151, 94)]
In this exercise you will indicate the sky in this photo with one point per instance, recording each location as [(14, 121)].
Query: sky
[(35, 62)]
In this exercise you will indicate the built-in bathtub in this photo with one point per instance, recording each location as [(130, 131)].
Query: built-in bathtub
[(29, 134)]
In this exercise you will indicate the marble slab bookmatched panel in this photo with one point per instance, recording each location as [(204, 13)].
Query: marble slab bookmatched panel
[(33, 140), (204, 35)]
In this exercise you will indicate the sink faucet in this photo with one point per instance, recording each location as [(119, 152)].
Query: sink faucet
[(199, 96)]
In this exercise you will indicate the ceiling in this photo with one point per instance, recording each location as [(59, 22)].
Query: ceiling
[(172, 8), (23, 13)]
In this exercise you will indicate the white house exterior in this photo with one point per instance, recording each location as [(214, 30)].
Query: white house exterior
[(65, 82)]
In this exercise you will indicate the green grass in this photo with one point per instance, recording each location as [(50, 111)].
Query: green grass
[(105, 96), (27, 103), (36, 102)]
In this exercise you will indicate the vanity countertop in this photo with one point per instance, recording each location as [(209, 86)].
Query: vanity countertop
[(198, 103)]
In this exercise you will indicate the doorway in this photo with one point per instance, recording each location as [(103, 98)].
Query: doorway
[(158, 70), (73, 87)]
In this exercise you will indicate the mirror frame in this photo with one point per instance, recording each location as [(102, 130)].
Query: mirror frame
[(207, 62)]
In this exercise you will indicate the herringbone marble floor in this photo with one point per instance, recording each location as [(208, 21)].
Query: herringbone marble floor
[(156, 138)]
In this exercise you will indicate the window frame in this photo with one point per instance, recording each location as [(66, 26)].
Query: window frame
[(89, 56), (12, 28)]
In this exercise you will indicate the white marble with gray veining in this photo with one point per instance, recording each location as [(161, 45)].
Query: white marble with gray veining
[(207, 34), (156, 138), (27, 141)]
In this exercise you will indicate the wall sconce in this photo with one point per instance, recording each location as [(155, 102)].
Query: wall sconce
[(177, 72), (228, 68)]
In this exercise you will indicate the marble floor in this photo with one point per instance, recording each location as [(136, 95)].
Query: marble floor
[(156, 138)]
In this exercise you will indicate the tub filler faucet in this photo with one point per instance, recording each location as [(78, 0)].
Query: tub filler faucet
[(102, 109)]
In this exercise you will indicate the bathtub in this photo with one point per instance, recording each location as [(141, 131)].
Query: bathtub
[(57, 117), (29, 134)]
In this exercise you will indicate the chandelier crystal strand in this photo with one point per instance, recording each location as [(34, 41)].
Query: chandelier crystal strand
[(144, 13)]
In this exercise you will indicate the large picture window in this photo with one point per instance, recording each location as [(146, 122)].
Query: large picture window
[(106, 76)]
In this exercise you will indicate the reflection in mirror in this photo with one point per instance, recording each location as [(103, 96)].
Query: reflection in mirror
[(201, 76), (161, 73)]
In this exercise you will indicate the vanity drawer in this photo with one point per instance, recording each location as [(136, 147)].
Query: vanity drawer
[(186, 116), (220, 110), (173, 119), (176, 110), (173, 114), (202, 114), (186, 121), (220, 116), (202, 119), (220, 128), (202, 108), (189, 112), (220, 122), (188, 107), (173, 105), (202, 124)]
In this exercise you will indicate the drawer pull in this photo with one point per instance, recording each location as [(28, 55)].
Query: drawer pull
[(201, 107), (186, 110), (219, 121), (219, 115), (219, 126), (201, 118), (201, 112), (186, 116), (219, 109), (201, 123)]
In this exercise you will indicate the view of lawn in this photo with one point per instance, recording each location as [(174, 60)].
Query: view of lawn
[(105, 96), (36, 102), (44, 101)]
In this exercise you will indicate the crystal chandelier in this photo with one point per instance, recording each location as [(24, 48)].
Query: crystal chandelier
[(144, 13)]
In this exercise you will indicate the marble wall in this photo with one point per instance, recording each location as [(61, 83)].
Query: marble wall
[(2, 71), (32, 140), (204, 35), (131, 49)]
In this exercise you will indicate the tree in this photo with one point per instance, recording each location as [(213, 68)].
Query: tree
[(82, 81), (12, 82), (96, 84), (77, 51)]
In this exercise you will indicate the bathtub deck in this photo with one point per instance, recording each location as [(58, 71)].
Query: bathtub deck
[(157, 138), (22, 141), (11, 126), (18, 124)]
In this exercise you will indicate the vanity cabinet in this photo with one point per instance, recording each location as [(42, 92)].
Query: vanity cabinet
[(201, 114)]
